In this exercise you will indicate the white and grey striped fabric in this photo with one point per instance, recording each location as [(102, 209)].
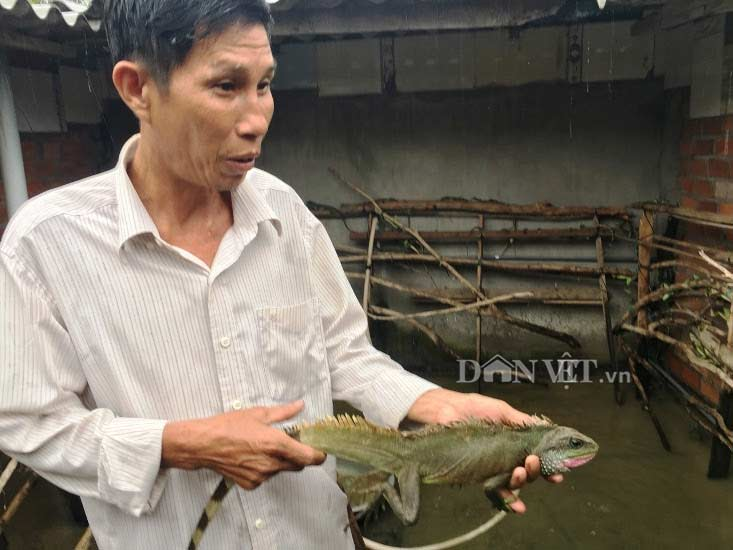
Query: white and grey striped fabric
[(107, 332)]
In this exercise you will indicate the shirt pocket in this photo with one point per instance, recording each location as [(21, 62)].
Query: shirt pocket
[(293, 348)]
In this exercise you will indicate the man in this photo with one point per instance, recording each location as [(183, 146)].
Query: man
[(158, 318)]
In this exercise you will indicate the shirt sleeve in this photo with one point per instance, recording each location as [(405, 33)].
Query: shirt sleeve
[(360, 374), (43, 421)]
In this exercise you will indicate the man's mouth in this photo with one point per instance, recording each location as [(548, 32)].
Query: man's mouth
[(239, 165)]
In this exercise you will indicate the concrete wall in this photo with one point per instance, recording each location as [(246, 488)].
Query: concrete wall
[(599, 144)]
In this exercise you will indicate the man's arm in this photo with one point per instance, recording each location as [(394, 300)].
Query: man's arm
[(360, 374), (43, 422)]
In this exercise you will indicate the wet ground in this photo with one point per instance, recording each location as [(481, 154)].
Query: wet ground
[(633, 495)]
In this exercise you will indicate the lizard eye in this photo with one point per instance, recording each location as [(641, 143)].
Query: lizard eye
[(575, 443)]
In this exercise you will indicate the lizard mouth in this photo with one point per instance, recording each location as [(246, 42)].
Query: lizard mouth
[(577, 461)]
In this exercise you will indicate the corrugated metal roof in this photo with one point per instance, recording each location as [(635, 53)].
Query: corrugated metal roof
[(50, 16)]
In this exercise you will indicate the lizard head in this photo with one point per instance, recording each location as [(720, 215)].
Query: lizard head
[(563, 449)]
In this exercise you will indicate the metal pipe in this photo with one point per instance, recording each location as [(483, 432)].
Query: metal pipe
[(11, 154)]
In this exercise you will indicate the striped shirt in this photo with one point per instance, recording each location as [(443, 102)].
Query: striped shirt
[(107, 332)]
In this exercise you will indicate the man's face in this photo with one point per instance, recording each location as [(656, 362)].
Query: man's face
[(208, 126)]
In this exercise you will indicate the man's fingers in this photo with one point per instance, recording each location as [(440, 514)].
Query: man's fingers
[(532, 466), (519, 478), (512, 501), (297, 453), (555, 478), (278, 413)]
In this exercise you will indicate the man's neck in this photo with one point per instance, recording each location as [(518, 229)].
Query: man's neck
[(191, 217)]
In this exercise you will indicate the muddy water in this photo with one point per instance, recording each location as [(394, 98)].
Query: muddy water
[(633, 495)]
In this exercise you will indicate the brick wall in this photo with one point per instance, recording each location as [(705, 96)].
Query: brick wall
[(55, 159), (706, 185), (706, 173)]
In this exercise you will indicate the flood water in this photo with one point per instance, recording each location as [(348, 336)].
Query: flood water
[(633, 495)]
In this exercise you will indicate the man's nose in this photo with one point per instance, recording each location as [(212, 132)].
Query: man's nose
[(253, 123)]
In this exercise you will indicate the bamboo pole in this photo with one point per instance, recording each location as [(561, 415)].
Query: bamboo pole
[(85, 542), (582, 233), (646, 231), (481, 304), (480, 286), (430, 333), (603, 287), (539, 296), (493, 208), (633, 357), (7, 473), (373, 220), (493, 265), (18, 499), (493, 310)]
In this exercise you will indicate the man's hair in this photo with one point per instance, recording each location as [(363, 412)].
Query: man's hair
[(161, 33)]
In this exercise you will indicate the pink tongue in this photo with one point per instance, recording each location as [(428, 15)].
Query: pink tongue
[(576, 462)]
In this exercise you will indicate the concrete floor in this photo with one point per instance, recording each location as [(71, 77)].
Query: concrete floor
[(633, 495)]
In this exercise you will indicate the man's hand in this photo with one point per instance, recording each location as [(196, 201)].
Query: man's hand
[(241, 446), (441, 406)]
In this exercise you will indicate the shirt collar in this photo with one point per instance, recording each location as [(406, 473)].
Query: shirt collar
[(249, 206)]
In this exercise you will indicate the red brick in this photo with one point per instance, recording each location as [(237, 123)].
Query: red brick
[(700, 206), (703, 147), (30, 150), (689, 202), (709, 393), (725, 208), (703, 188), (728, 123), (686, 148), (718, 168), (713, 125), (52, 151), (687, 184), (694, 168), (724, 147)]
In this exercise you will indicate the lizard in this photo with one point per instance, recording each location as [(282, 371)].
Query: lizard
[(473, 451)]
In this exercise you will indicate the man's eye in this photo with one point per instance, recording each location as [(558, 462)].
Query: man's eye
[(262, 86), (225, 86)]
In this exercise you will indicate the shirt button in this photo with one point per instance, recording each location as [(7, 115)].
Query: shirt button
[(225, 342), (260, 523), (236, 404)]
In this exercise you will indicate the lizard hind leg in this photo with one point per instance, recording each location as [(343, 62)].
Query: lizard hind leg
[(406, 503), (490, 490)]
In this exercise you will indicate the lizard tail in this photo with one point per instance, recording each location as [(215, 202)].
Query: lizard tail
[(210, 511)]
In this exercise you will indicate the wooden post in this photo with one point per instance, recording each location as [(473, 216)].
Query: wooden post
[(603, 286), (720, 454), (646, 232), (368, 273), (480, 286)]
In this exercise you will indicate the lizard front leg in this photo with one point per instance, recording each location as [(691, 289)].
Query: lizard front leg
[(406, 503), (490, 487)]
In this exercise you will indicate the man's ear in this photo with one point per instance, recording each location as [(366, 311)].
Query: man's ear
[(134, 84)]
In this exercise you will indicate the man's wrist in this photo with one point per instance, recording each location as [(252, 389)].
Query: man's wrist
[(182, 444)]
